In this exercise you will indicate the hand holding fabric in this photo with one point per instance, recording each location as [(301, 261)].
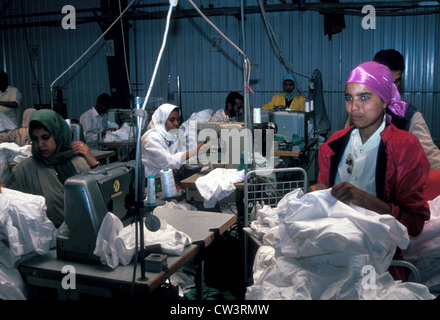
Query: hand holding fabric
[(348, 193)]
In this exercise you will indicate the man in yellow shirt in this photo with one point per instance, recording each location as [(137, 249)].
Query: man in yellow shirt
[(290, 98)]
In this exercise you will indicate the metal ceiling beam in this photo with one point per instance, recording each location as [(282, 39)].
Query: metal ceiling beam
[(400, 8)]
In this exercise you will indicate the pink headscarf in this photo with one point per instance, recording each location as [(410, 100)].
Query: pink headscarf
[(379, 78)]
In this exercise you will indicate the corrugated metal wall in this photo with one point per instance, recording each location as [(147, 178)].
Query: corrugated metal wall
[(209, 67), (34, 57)]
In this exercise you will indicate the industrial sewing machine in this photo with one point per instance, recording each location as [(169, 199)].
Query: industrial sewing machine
[(87, 199), (227, 139), (289, 122)]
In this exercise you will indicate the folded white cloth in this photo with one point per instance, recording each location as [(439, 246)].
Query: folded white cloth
[(218, 184), (25, 231), (116, 244)]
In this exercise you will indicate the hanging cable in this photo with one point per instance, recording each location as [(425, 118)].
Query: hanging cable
[(247, 62), (125, 52), (97, 40), (153, 77), (30, 55), (278, 51)]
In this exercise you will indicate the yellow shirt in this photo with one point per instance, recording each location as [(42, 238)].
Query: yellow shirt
[(297, 104)]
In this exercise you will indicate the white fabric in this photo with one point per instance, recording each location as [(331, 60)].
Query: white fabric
[(267, 217), (6, 124), (25, 231), (321, 248), (116, 244), (218, 184), (11, 153), (12, 286), (125, 133), (424, 250), (93, 124), (189, 128), (11, 94)]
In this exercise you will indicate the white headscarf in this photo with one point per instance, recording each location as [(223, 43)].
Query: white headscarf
[(159, 119)]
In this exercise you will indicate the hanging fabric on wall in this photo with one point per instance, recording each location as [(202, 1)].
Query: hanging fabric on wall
[(333, 23)]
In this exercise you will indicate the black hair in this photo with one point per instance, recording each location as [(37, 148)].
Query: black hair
[(393, 59), (36, 125), (104, 99), (231, 98)]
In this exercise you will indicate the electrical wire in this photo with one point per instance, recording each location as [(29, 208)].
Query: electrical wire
[(153, 77), (29, 53), (97, 40), (226, 38), (125, 52), (279, 52), (246, 71)]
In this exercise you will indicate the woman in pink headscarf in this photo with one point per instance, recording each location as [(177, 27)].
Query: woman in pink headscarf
[(372, 163)]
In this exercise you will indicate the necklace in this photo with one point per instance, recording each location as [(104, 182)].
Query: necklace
[(349, 162)]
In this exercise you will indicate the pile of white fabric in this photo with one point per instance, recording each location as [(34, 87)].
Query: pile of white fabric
[(124, 133), (424, 250), (325, 249), (25, 231), (6, 124), (116, 244), (218, 184), (11, 153)]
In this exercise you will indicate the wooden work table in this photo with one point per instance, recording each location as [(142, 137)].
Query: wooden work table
[(100, 280)]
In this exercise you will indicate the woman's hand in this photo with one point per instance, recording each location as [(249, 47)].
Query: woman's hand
[(203, 148), (348, 193), (316, 187), (80, 148)]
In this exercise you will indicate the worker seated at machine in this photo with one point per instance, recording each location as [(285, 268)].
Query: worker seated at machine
[(288, 99)]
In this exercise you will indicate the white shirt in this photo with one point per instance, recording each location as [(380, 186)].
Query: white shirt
[(93, 124), (158, 155), (364, 156), (11, 94)]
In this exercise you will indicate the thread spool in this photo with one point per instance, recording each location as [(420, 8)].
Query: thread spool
[(167, 182), (257, 115), (151, 191), (307, 106), (312, 105)]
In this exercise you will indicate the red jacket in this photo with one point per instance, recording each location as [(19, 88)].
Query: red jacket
[(401, 172)]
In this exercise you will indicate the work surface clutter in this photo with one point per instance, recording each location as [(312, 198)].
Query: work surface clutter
[(313, 247)]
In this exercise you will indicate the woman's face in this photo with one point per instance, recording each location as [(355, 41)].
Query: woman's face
[(364, 106), (43, 142), (172, 121)]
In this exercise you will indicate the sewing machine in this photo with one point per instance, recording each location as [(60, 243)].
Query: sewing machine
[(290, 123), (227, 140), (87, 199)]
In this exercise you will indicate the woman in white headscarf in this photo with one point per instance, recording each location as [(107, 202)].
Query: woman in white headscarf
[(159, 143)]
